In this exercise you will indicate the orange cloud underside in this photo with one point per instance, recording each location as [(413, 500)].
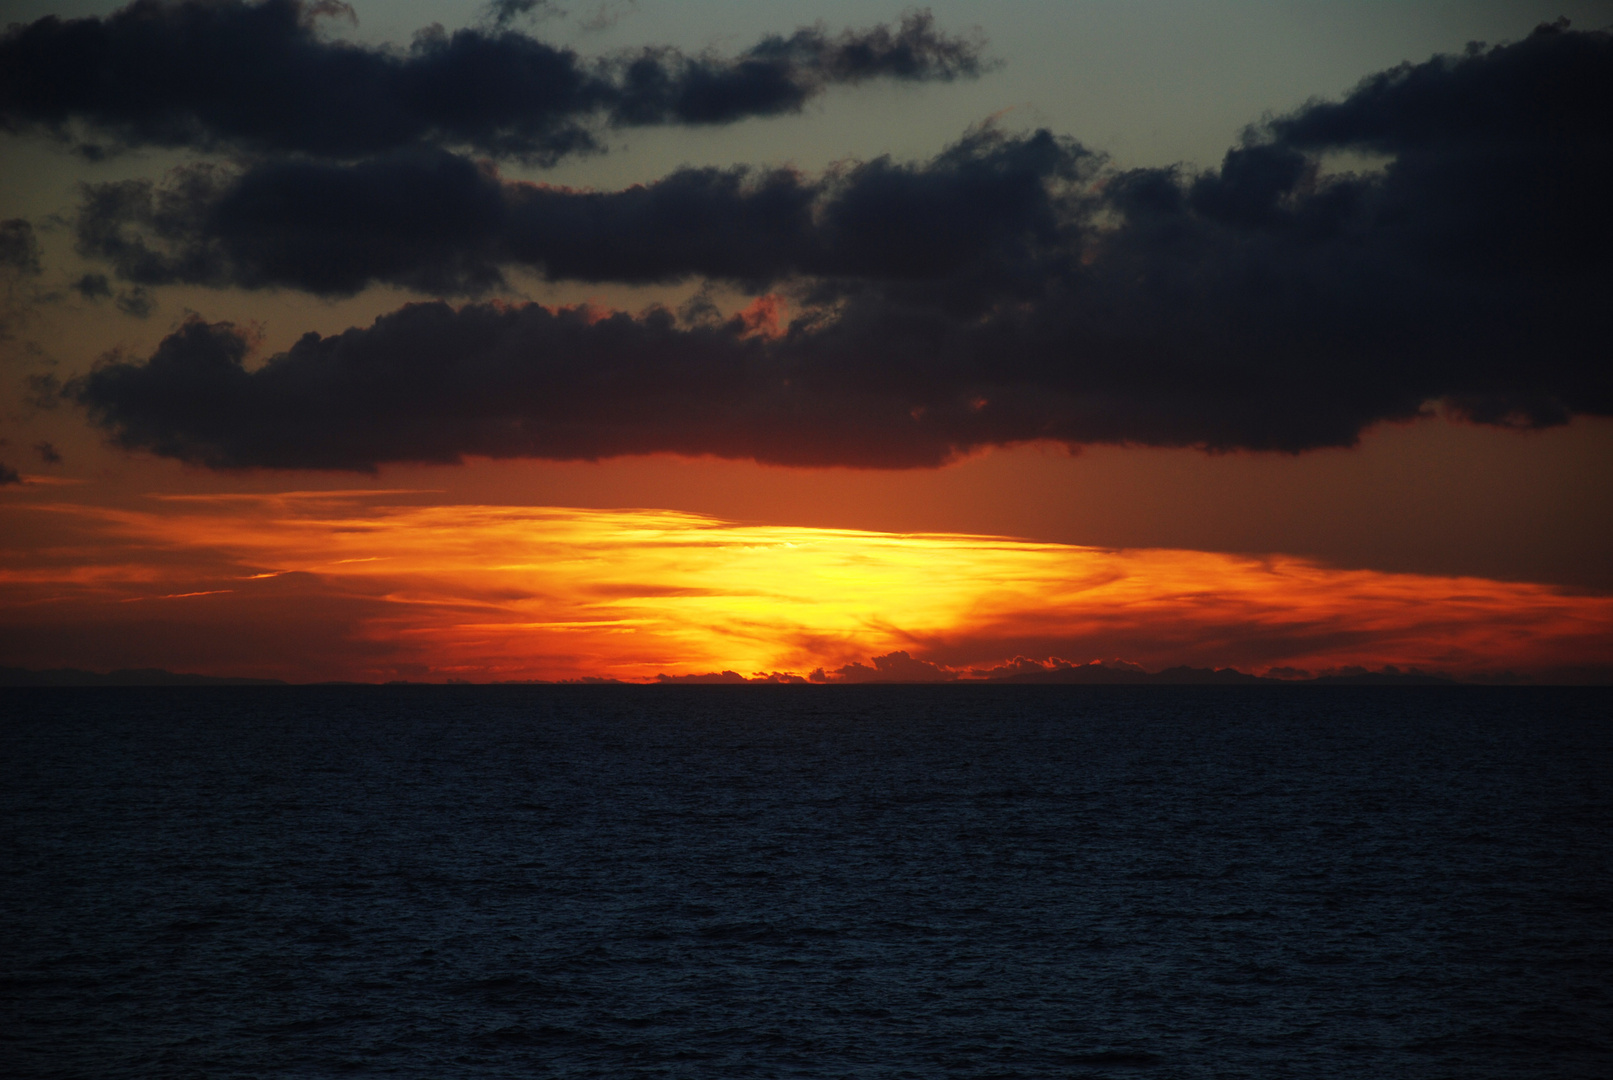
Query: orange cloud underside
[(324, 585)]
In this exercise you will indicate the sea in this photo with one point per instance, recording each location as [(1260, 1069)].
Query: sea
[(806, 881)]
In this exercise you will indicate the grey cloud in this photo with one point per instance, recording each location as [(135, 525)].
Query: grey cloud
[(210, 74), (444, 225), (1014, 288)]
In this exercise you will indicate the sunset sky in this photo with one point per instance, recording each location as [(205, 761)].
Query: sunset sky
[(826, 341)]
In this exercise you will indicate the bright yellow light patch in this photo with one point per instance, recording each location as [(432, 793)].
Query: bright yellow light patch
[(503, 592)]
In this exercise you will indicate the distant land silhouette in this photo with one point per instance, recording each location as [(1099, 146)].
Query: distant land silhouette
[(1095, 674), (11, 676)]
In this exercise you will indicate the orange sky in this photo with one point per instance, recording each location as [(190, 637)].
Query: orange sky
[(374, 585), (1434, 542)]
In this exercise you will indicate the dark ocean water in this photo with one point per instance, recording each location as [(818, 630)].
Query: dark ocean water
[(777, 881)]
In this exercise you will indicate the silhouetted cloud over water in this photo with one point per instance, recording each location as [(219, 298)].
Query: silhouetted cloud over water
[(262, 77), (1441, 234)]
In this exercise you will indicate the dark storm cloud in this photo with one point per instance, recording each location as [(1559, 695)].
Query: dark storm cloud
[(442, 224), (259, 76), (429, 383), (1012, 289)]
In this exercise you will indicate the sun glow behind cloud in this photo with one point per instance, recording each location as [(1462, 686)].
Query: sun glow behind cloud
[(334, 585)]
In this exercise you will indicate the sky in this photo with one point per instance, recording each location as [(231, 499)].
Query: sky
[(806, 341)]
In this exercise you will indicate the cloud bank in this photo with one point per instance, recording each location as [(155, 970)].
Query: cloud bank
[(260, 77), (1013, 288), (990, 207)]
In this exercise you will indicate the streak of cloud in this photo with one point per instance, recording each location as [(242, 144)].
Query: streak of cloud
[(993, 206), (261, 77)]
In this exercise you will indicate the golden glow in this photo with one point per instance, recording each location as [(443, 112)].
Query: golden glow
[(498, 592)]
